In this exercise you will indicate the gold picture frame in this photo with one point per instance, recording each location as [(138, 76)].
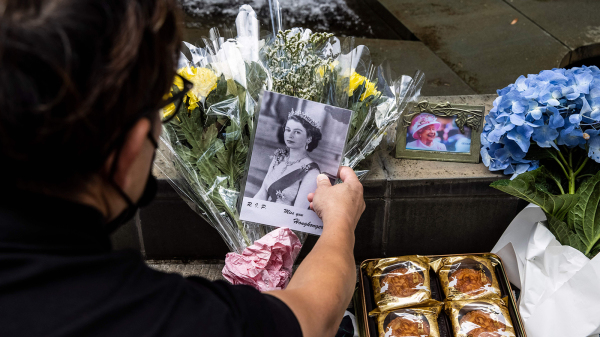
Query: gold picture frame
[(462, 120)]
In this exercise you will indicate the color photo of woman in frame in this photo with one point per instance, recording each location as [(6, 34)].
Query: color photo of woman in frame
[(433, 133), (295, 140)]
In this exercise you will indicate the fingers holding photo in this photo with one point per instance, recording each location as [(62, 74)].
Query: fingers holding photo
[(341, 201)]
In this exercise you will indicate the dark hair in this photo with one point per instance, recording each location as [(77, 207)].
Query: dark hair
[(311, 131), (74, 76)]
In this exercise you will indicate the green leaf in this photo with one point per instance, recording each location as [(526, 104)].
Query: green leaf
[(532, 186), (208, 137), (190, 124), (361, 112), (563, 234), (230, 160), (585, 216), (185, 153), (256, 76), (219, 93), (595, 250), (206, 166)]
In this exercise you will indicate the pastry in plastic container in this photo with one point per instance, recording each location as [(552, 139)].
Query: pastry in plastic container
[(413, 322), (467, 277), (399, 282), (480, 318)]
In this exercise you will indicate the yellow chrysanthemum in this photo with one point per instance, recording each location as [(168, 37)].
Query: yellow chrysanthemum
[(369, 90), (169, 109), (356, 80), (204, 80), (321, 69)]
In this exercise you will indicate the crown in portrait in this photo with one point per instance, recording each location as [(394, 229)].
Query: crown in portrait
[(306, 117)]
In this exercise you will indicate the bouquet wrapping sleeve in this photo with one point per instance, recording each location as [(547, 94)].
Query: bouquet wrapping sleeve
[(558, 283), (203, 150), (322, 68), (378, 99)]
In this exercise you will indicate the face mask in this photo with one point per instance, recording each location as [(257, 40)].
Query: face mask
[(147, 196)]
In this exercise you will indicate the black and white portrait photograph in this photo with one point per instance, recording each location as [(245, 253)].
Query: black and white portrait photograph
[(295, 141)]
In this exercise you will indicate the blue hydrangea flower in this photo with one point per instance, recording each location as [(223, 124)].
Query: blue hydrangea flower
[(571, 137), (554, 107), (521, 135), (545, 136), (594, 146), (593, 143)]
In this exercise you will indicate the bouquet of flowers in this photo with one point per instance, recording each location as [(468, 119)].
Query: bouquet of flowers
[(204, 147), (544, 129), (321, 68)]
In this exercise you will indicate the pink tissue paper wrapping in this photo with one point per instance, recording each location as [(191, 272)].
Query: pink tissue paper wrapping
[(267, 264)]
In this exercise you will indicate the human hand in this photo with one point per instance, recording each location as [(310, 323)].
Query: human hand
[(342, 201)]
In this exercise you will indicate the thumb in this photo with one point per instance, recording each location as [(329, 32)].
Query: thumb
[(323, 181)]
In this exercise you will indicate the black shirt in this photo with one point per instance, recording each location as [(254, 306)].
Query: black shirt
[(59, 277)]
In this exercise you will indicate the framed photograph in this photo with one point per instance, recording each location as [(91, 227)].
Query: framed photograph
[(441, 132), (295, 140)]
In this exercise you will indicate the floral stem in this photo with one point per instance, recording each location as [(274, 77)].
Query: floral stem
[(568, 171), (582, 166), (571, 182), (243, 231), (572, 175), (561, 165), (560, 155), (579, 161), (239, 223), (570, 158), (562, 191)]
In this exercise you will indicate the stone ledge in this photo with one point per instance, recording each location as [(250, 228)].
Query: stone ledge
[(210, 270)]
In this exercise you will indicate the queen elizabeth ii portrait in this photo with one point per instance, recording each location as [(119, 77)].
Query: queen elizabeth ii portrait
[(292, 172), (295, 141), (424, 130)]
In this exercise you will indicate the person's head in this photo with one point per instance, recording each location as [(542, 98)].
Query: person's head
[(424, 127), (298, 133), (81, 85), (426, 134)]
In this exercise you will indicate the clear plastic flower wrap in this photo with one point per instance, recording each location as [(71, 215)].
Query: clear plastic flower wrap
[(204, 148), (322, 68), (378, 99)]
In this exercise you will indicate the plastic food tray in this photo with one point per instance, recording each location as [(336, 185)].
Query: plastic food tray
[(364, 302)]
